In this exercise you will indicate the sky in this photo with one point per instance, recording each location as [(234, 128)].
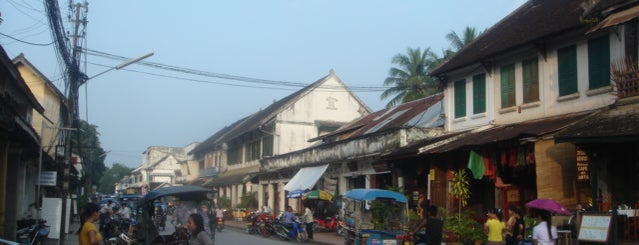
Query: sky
[(271, 41)]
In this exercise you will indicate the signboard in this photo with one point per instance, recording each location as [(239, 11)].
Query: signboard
[(595, 228), (583, 173), (48, 178)]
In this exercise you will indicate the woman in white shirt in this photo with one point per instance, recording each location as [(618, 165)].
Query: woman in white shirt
[(544, 233)]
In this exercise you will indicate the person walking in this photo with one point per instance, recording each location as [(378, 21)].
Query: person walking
[(308, 219), (515, 226), (196, 227), (544, 233), (88, 234), (434, 226), (495, 227)]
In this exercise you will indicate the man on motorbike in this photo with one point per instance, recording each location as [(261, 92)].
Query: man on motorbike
[(288, 217), (125, 211)]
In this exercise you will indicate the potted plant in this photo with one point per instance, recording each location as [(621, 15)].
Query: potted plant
[(461, 228)]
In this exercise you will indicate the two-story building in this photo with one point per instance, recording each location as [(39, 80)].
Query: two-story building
[(284, 126), (539, 70), (19, 146)]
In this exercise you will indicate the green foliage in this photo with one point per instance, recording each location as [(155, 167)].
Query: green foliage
[(385, 215), (111, 177), (529, 222), (223, 202), (460, 187), (248, 201), (412, 220), (465, 228)]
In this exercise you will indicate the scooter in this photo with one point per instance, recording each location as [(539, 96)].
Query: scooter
[(34, 234), (296, 231), (327, 224), (220, 224)]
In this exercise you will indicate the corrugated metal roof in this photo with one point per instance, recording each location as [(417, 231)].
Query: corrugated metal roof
[(499, 133), (424, 113)]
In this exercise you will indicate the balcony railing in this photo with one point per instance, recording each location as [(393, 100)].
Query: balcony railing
[(625, 77)]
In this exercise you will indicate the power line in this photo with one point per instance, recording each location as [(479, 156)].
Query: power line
[(30, 43), (223, 76)]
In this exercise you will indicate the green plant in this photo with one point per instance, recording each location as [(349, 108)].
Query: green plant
[(248, 201), (460, 187), (223, 202), (463, 226)]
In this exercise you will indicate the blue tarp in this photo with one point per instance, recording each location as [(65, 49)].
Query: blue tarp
[(296, 193), (372, 194)]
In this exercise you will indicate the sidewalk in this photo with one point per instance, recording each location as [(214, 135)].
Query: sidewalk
[(318, 237)]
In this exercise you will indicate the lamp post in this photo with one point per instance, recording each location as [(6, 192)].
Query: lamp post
[(76, 79)]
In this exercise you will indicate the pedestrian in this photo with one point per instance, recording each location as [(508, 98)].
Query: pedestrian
[(88, 234), (308, 219), (105, 213), (181, 215), (495, 227), (204, 212), (544, 233), (125, 212), (196, 227), (515, 226), (434, 226)]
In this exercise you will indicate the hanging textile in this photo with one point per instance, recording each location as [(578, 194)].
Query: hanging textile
[(476, 165)]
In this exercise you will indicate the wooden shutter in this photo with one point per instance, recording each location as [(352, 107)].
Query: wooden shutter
[(598, 62), (531, 80), (567, 59), (460, 98), (479, 93), (508, 85)]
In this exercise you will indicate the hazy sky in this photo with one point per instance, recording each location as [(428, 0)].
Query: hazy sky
[(274, 40)]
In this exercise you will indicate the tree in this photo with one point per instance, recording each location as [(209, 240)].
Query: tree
[(410, 80), (91, 152), (457, 42), (112, 176)]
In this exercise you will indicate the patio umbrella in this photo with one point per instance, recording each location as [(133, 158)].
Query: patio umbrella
[(296, 193), (318, 195), (548, 205)]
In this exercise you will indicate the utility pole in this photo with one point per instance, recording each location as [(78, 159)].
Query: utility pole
[(75, 79)]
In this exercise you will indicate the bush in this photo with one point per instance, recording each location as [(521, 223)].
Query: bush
[(223, 202), (248, 201), (464, 227)]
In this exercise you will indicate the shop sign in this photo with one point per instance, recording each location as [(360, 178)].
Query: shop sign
[(583, 173)]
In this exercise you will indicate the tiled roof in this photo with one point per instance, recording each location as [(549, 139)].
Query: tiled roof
[(611, 124), (527, 26)]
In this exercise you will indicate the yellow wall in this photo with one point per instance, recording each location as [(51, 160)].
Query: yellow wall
[(556, 172)]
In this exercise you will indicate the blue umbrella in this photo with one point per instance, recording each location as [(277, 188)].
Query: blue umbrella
[(296, 193)]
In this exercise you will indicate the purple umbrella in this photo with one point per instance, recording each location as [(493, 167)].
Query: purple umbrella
[(548, 205)]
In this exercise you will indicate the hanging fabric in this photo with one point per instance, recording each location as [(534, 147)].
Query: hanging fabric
[(476, 165)]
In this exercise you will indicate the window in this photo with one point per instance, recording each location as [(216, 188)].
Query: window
[(567, 61), (267, 146), (460, 98), (531, 80), (508, 86), (479, 93), (234, 153), (252, 150), (598, 62)]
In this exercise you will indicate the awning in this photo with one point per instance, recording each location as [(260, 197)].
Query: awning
[(617, 18), (610, 125), (499, 133), (305, 178), (233, 177)]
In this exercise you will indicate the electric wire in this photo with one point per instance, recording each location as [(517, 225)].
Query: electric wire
[(30, 43)]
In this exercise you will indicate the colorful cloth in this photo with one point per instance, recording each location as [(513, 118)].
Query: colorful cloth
[(476, 165)]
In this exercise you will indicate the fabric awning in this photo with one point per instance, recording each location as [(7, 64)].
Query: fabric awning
[(233, 177), (305, 178), (617, 18)]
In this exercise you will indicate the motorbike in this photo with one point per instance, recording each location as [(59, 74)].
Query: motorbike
[(326, 224), (267, 226), (295, 231), (33, 234), (252, 223), (159, 217), (219, 226)]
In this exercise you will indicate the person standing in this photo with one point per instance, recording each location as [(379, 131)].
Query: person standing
[(515, 226), (308, 219), (495, 227), (196, 227), (204, 212), (125, 211), (88, 234), (434, 226), (544, 233), (105, 213)]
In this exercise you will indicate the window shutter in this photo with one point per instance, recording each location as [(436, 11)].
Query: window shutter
[(531, 80), (598, 62), (479, 93), (508, 85), (460, 98), (567, 70)]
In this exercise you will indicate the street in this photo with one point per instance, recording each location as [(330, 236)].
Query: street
[(235, 235)]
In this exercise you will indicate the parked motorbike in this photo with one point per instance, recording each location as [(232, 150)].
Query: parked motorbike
[(267, 226), (296, 231), (220, 224), (252, 223), (33, 234), (326, 224), (114, 227)]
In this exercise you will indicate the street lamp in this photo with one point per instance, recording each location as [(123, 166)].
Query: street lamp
[(76, 79)]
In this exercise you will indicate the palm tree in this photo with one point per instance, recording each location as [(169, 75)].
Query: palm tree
[(410, 80), (458, 42)]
